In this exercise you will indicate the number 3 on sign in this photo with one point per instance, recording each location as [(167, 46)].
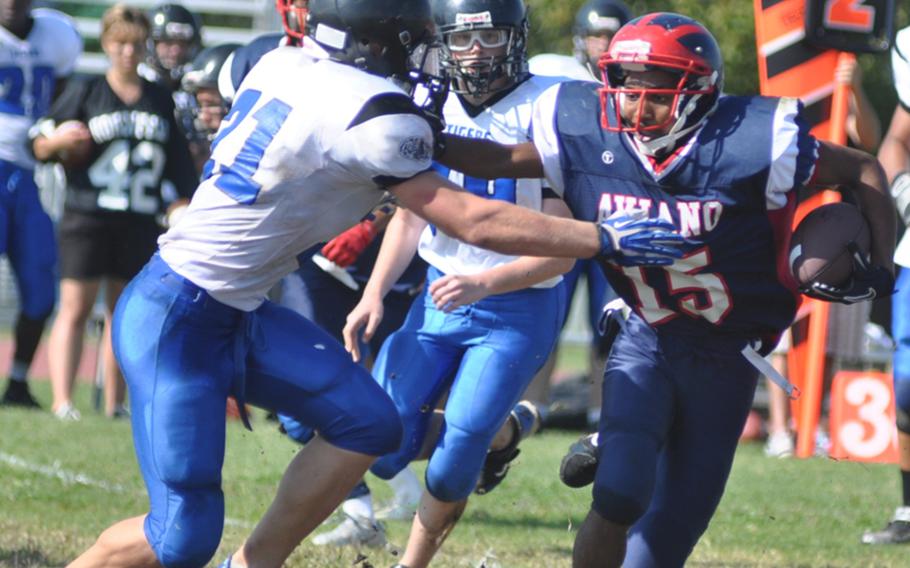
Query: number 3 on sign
[(862, 417), (849, 15)]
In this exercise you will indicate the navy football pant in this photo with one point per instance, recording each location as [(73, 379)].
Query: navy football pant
[(484, 354), (673, 409), (27, 239), (599, 293), (182, 354)]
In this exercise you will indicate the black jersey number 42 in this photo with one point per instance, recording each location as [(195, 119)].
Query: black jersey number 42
[(129, 180)]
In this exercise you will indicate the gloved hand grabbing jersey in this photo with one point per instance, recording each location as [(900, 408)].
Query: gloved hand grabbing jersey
[(344, 249), (631, 238)]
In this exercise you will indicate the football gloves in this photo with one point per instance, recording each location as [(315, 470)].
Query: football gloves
[(631, 238), (867, 283), (344, 249), (900, 191)]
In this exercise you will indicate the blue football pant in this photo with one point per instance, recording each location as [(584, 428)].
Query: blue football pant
[(673, 409), (182, 354), (27, 238), (484, 354), (900, 331), (319, 297)]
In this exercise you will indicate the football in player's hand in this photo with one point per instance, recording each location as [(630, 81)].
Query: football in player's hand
[(79, 144), (819, 249)]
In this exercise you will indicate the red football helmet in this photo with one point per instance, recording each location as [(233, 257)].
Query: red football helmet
[(293, 17), (662, 42)]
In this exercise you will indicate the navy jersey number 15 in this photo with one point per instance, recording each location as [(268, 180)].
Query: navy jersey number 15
[(236, 179)]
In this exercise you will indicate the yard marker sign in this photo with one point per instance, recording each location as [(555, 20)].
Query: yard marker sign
[(799, 44)]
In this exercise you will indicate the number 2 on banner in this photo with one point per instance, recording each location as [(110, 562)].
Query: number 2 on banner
[(850, 15)]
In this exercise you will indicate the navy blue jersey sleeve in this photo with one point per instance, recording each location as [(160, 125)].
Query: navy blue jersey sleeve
[(179, 168)]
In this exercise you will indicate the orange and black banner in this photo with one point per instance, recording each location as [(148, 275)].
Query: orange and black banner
[(788, 66)]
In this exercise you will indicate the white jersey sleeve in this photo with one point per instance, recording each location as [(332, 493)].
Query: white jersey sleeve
[(555, 65), (386, 149), (292, 166), (793, 153), (543, 133), (900, 66), (60, 31)]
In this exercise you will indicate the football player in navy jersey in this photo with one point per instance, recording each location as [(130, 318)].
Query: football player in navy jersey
[(38, 52), (659, 139), (314, 138)]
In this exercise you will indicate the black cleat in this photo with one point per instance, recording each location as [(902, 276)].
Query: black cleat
[(526, 419), (17, 394), (897, 531), (579, 466)]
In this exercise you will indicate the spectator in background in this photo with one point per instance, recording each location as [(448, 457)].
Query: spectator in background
[(175, 38), (846, 323), (894, 155), (117, 139), (594, 26), (41, 45), (208, 106)]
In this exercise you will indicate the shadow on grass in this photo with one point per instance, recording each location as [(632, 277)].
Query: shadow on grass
[(23, 557), (524, 521)]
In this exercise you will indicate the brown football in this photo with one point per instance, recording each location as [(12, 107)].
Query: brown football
[(818, 247), (79, 155)]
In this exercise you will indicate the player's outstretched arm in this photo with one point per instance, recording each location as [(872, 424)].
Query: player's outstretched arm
[(486, 159), (495, 224), (861, 173), (399, 243), (454, 290)]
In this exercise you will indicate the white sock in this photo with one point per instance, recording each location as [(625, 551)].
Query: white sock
[(407, 487), (359, 507)]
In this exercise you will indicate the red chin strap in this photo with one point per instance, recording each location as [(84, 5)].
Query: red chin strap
[(291, 13)]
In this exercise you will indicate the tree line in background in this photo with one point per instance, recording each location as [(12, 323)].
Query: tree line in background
[(731, 21), (733, 24)]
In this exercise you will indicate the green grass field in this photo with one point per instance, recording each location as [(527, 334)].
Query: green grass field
[(62, 483)]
